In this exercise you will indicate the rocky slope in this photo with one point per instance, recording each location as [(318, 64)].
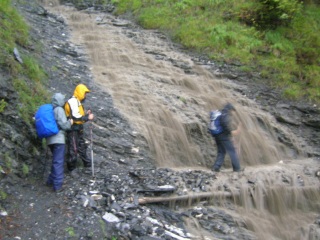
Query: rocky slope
[(107, 204)]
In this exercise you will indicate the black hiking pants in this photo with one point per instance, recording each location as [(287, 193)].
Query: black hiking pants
[(76, 146)]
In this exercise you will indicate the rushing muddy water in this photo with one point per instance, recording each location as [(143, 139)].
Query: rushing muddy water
[(147, 79), (167, 97)]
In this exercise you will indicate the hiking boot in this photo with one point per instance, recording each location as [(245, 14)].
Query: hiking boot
[(59, 190), (216, 170), (240, 170)]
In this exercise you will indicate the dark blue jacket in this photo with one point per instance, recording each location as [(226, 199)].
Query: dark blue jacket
[(225, 122)]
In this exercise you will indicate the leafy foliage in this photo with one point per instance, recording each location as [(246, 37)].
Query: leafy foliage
[(269, 14)]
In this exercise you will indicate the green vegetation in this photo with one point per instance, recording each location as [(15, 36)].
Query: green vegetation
[(3, 195), (70, 231), (278, 38), (102, 226), (182, 99), (25, 170), (3, 105), (28, 78)]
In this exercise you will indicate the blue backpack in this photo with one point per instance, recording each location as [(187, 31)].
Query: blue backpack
[(45, 122), (215, 127)]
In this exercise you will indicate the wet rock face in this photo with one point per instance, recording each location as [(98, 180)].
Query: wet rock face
[(304, 119)]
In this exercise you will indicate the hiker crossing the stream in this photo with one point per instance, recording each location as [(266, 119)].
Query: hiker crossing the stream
[(224, 140)]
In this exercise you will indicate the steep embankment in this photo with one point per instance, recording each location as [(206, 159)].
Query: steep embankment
[(164, 95)]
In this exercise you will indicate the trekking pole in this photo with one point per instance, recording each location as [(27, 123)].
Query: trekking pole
[(91, 146)]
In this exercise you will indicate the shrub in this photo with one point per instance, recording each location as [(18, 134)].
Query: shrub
[(269, 14)]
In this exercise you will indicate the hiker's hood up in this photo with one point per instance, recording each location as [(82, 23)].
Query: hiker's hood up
[(80, 92), (58, 100), (228, 107)]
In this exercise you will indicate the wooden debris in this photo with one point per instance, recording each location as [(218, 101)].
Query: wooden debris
[(188, 197)]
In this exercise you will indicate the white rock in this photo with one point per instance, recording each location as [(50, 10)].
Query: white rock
[(110, 218), (94, 192), (96, 197), (3, 213)]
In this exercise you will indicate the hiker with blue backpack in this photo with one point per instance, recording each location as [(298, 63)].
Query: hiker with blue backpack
[(57, 143), (75, 137), (221, 129)]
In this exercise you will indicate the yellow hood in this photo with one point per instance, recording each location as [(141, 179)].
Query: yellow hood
[(80, 91)]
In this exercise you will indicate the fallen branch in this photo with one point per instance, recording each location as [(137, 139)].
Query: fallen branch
[(189, 197)]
